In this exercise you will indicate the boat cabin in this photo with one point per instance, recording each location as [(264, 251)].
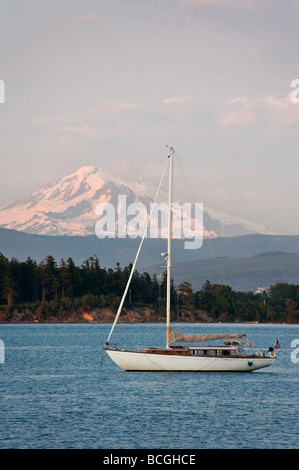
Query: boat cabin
[(223, 351), (235, 350)]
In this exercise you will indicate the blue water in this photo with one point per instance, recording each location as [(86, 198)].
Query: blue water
[(59, 390)]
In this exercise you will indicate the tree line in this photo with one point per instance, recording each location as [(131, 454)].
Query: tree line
[(53, 289)]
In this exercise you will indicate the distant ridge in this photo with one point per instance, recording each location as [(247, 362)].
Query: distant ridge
[(242, 253), (242, 274), (110, 251)]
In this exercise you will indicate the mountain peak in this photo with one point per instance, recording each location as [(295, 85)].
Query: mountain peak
[(83, 173), (68, 207), (86, 170)]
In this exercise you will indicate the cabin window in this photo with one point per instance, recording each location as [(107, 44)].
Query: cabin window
[(234, 352), (226, 352), (212, 352), (202, 352), (192, 352)]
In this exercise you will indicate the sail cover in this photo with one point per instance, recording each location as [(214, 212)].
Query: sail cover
[(174, 337)]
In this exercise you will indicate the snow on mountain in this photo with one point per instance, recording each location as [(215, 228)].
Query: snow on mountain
[(68, 207), (224, 225), (65, 208)]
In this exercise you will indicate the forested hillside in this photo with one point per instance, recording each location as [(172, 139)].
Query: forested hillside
[(51, 291)]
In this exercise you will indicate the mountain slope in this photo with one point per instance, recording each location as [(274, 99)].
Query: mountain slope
[(64, 208), (68, 207), (242, 274)]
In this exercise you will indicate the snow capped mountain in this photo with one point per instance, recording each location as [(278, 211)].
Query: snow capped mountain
[(68, 207)]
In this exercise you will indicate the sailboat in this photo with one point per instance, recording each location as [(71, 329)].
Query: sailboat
[(232, 356)]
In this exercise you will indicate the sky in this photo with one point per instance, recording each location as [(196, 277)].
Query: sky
[(110, 83)]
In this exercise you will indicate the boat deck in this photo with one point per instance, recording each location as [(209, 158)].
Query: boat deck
[(208, 351)]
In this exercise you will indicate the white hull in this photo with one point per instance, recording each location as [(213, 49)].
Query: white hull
[(140, 361)]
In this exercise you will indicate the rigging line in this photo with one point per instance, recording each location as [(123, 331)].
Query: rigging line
[(162, 249), (212, 243), (175, 262), (127, 335), (102, 358), (177, 283), (159, 280), (136, 258)]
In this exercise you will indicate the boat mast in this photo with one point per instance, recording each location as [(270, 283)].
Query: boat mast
[(168, 291), (136, 258)]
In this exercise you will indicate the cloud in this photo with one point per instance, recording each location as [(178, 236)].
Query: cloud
[(245, 16), (200, 5), (76, 23), (282, 111), (240, 111), (246, 102), (183, 115), (238, 118), (277, 103), (111, 118), (93, 19), (79, 130), (276, 113), (175, 100)]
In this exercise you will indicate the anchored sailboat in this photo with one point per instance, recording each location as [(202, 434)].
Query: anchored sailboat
[(229, 357)]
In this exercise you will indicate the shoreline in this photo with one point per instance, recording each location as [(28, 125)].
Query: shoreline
[(93, 322)]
